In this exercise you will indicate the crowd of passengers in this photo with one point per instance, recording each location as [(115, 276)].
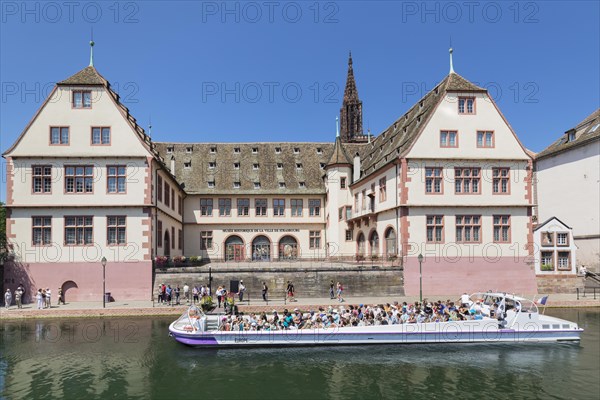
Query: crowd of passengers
[(362, 315)]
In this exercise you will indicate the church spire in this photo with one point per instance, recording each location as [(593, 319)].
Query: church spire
[(451, 51), (351, 111)]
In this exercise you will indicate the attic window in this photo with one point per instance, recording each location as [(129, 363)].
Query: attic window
[(236, 165), (256, 185), (418, 119), (212, 165), (421, 104), (322, 165), (255, 166), (213, 150), (277, 150), (436, 90), (188, 149), (319, 150), (236, 150), (302, 184), (404, 129), (169, 149), (594, 128), (281, 185), (571, 137), (406, 117), (279, 166), (236, 185), (296, 150), (466, 105), (255, 150), (298, 165), (211, 184), (395, 126), (187, 165), (82, 99)]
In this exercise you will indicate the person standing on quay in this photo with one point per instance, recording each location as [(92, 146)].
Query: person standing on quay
[(290, 291), (40, 299), (177, 294), (265, 290), (18, 294), (7, 298), (241, 290), (186, 292), (340, 289), (48, 298), (61, 298), (331, 290)]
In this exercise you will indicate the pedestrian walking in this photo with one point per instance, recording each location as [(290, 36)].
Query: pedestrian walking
[(331, 290), (18, 294), (340, 289), (290, 291), (7, 298), (43, 298), (265, 291), (61, 297)]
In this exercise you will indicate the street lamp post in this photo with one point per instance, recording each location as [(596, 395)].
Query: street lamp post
[(420, 258), (103, 262)]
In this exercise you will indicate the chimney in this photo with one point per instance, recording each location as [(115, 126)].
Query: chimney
[(173, 165), (356, 171)]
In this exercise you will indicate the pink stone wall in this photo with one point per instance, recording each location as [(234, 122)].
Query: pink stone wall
[(442, 277), (83, 281)]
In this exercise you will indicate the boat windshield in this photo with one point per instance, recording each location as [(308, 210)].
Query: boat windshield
[(510, 302), (189, 319)]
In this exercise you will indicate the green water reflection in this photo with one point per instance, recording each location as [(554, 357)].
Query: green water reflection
[(135, 358)]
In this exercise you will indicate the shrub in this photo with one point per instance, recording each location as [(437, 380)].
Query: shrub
[(547, 267), (194, 259), (161, 260), (179, 259)]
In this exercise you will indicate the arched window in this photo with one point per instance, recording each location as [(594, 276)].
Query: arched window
[(234, 248), (390, 242), (361, 244), (374, 243), (288, 248), (261, 248)]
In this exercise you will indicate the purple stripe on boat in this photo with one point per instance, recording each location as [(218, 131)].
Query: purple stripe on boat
[(199, 341)]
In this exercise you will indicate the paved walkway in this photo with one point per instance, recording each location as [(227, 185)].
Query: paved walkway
[(149, 308)]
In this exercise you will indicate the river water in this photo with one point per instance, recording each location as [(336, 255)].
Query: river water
[(135, 358)]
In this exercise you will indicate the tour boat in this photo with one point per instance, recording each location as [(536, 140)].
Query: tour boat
[(519, 321)]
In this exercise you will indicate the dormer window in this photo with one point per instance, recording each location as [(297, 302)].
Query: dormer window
[(212, 165), (421, 104), (255, 150), (319, 150), (298, 166), (322, 165), (82, 99), (466, 105), (281, 185), (255, 166), (187, 165), (594, 128), (277, 150), (188, 149), (236, 185), (279, 166), (571, 137), (256, 185), (213, 150), (211, 184), (302, 184), (236, 150), (236, 165), (296, 150), (169, 149)]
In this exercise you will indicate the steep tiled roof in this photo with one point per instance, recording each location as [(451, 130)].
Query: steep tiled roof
[(395, 140), (339, 155), (87, 76), (289, 163), (586, 131)]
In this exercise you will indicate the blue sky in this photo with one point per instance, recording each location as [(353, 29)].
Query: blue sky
[(275, 71)]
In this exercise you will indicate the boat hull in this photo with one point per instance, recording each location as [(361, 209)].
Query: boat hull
[(449, 332)]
